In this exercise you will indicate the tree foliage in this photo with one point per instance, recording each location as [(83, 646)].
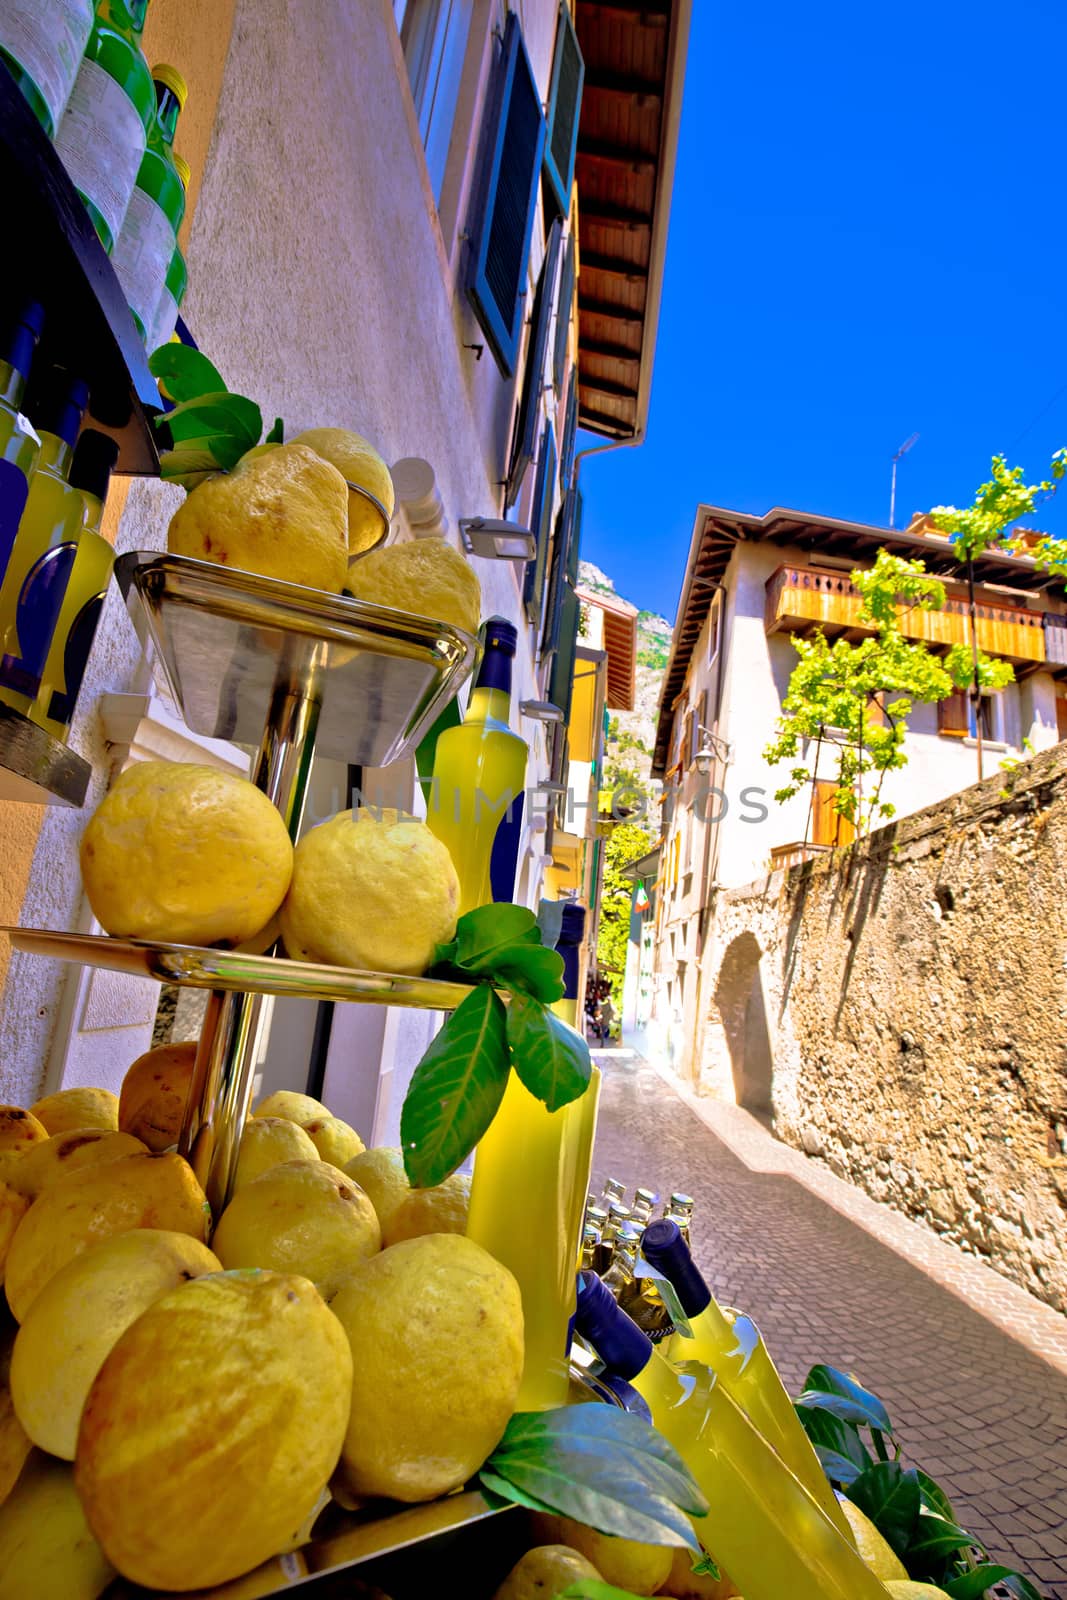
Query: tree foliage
[(626, 842), (999, 504)]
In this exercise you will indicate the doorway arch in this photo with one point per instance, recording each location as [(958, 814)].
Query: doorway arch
[(743, 1012)]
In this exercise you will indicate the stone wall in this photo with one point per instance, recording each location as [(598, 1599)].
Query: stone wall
[(901, 1010)]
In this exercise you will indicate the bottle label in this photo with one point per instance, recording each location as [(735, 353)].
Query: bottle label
[(47, 38), (14, 488), (37, 611), (164, 322), (101, 140), (142, 255)]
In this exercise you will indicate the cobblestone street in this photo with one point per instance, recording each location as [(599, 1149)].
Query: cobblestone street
[(973, 1371)]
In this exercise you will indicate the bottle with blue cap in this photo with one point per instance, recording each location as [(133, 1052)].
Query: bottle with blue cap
[(479, 774), (19, 444), (769, 1533), (732, 1347)]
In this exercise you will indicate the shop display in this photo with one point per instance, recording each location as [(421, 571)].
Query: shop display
[(41, 44), (371, 496), (148, 238), (427, 576)]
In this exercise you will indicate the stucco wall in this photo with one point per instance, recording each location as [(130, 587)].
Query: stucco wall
[(902, 1009)]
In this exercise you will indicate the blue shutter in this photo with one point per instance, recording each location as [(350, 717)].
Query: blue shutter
[(564, 106), (544, 490), (500, 232), (564, 306), (561, 681), (529, 415), (564, 562), (570, 429)]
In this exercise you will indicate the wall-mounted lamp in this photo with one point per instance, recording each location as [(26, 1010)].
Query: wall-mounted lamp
[(418, 497), (712, 748), (541, 711), (546, 786), (496, 540)]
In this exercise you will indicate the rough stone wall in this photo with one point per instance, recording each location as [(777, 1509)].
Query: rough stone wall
[(904, 1003)]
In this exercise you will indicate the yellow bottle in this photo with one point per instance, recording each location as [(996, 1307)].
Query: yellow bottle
[(737, 1355), (479, 770), (531, 1174), (763, 1525), (20, 329)]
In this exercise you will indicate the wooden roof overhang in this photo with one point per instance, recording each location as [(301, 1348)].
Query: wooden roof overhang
[(634, 52), (620, 647), (716, 532)]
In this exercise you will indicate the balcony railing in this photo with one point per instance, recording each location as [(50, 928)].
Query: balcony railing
[(798, 597), (784, 856)]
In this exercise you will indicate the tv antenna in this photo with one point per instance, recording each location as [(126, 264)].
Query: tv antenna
[(905, 447)]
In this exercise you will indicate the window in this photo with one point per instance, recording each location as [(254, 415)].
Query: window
[(534, 588), (503, 217), (570, 430), (528, 419), (564, 309), (564, 105), (434, 36), (564, 565), (714, 627), (828, 826), (561, 681), (1061, 717), (956, 716)]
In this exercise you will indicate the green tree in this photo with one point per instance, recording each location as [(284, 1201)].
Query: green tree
[(625, 843)]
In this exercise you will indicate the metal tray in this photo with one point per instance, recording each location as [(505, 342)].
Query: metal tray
[(227, 639)]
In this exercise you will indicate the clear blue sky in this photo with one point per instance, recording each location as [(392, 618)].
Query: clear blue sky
[(868, 238)]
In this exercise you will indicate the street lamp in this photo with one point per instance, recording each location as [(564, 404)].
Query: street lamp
[(711, 748), (905, 447)]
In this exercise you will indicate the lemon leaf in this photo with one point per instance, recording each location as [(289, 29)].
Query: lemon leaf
[(218, 413), (550, 1058), (889, 1496), (277, 432), (184, 372), (456, 1089), (483, 933), (974, 1585), (531, 968)]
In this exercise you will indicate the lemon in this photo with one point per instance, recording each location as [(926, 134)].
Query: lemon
[(908, 1589), (294, 1107), (303, 1216), (19, 1132), (358, 462), (283, 515), (380, 1174), (212, 1428), (334, 1140), (68, 1109), (47, 1551), (14, 1440), (426, 577), (80, 1315), (90, 1206), (185, 854), (435, 1326), (440, 1210), (266, 1143), (876, 1553), (544, 1572), (368, 893), (51, 1161), (13, 1207), (642, 1568), (154, 1092)]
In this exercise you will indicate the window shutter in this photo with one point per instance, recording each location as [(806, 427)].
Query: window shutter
[(564, 105), (570, 429), (561, 681), (500, 233), (568, 525), (828, 826), (564, 307), (534, 588), (529, 414), (953, 715)]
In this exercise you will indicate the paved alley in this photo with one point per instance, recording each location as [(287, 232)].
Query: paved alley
[(974, 1401)]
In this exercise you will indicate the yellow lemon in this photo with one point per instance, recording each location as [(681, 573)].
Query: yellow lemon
[(908, 1589), (369, 893), (13, 1207), (19, 1132), (212, 1428), (544, 1572), (283, 514), (154, 1092), (51, 1161), (69, 1109), (878, 1555), (380, 1173), (266, 1143), (440, 1210), (427, 578), (358, 462), (642, 1568), (14, 1440), (80, 1315), (435, 1326), (47, 1551), (303, 1216), (334, 1140), (294, 1107), (89, 1206), (186, 854)]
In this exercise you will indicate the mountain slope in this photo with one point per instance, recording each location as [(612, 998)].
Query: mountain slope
[(632, 733)]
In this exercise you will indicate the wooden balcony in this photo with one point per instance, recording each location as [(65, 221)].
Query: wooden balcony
[(784, 856), (801, 599)]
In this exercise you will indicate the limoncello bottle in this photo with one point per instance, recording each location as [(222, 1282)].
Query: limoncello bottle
[(735, 1352), (763, 1525), (42, 42), (479, 770), (38, 572), (19, 444), (175, 283), (148, 237), (104, 131), (569, 946)]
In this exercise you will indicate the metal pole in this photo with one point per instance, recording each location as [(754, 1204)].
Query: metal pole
[(222, 1080), (893, 495)]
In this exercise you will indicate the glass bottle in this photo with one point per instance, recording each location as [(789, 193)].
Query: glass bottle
[(569, 946), (175, 283), (734, 1351), (479, 771), (613, 1191), (771, 1536), (643, 1204), (104, 131), (148, 237), (42, 43), (38, 572), (19, 444)]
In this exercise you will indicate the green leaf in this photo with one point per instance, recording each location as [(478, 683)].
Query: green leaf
[(706, 1568), (889, 1496), (838, 1405), (531, 968), (184, 372), (223, 449), (936, 1536), (217, 413), (277, 432), (482, 933), (934, 1496), (972, 1585), (837, 1467), (834, 1381), (601, 1466), (456, 1089), (830, 1433), (550, 1058)]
